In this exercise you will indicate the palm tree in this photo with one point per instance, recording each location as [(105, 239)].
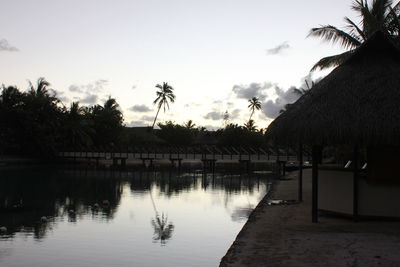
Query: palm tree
[(380, 16), (77, 126), (190, 125), (303, 91), (255, 104), (164, 95), (111, 107), (250, 126), (41, 88), (225, 119), (299, 92), (107, 122), (41, 106)]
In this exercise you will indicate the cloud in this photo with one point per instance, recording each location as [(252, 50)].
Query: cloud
[(278, 49), (147, 118), (97, 86), (140, 108), (214, 115), (75, 88), (93, 87), (271, 108), (211, 127), (252, 90), (192, 105), (88, 93), (5, 46), (89, 99), (137, 124), (60, 95), (234, 114), (307, 81)]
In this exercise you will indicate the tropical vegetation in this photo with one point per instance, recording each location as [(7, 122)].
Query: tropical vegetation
[(36, 123), (380, 15)]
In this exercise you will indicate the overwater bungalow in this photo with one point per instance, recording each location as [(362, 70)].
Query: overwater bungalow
[(356, 109)]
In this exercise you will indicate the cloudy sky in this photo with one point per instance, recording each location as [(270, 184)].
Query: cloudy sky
[(215, 53)]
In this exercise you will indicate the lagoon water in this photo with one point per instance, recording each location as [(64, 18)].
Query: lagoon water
[(85, 217)]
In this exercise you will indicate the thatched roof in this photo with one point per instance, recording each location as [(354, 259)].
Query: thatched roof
[(358, 102)]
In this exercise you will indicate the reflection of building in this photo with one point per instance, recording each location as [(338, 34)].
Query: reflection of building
[(355, 106)]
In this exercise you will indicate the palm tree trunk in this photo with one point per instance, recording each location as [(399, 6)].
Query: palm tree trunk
[(251, 115), (154, 122)]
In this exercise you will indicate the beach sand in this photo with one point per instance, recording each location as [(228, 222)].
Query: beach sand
[(283, 235)]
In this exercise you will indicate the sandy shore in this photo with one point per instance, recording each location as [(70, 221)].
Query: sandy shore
[(283, 235)]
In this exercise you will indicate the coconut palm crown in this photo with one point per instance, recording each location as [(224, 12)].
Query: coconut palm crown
[(164, 95), (255, 104), (381, 15)]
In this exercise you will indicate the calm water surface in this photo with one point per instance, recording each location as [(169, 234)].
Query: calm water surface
[(81, 217)]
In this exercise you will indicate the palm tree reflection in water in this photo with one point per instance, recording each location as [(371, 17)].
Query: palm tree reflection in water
[(162, 228)]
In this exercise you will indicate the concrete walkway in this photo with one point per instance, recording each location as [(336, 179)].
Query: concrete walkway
[(283, 235)]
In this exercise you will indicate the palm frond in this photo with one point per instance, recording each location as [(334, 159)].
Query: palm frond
[(331, 61), (171, 98), (157, 99), (354, 28), (393, 20), (166, 104), (332, 34), (358, 5), (380, 8)]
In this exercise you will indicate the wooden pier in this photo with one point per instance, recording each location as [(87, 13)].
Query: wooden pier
[(208, 156)]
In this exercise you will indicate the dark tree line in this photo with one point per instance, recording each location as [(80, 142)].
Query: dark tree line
[(231, 135), (36, 123)]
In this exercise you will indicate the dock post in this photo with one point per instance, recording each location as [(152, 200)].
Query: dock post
[(300, 173), (355, 184), (315, 160)]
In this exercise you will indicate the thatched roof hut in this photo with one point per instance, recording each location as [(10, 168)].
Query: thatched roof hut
[(357, 103)]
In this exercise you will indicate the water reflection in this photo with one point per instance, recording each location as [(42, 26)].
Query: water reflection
[(162, 228), (34, 200)]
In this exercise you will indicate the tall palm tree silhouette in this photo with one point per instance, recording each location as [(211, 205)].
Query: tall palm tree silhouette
[(164, 95), (380, 16), (255, 104)]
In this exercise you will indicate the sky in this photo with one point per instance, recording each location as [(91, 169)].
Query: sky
[(216, 54)]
